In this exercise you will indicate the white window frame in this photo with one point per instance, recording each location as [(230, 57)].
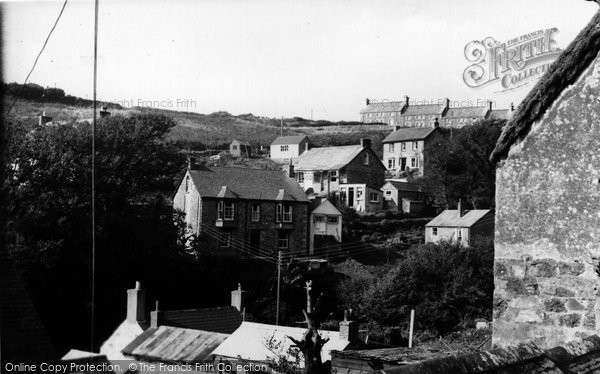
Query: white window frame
[(300, 177), (415, 146), (255, 212), (284, 148), (332, 219), (373, 200), (226, 210), (414, 162), (284, 213), (391, 147), (403, 147), (391, 163), (434, 231), (333, 175)]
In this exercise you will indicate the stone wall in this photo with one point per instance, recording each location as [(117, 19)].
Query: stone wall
[(547, 239)]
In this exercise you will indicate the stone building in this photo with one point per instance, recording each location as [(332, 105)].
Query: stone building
[(403, 149), (547, 251), (247, 212)]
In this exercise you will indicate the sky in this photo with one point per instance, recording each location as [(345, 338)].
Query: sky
[(273, 57)]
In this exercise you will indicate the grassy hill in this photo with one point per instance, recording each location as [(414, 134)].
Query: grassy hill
[(195, 131)]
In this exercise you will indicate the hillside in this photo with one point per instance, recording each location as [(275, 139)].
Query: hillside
[(195, 131)]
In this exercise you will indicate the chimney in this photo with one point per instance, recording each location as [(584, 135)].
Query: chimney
[(368, 101), (490, 105), (237, 298), (365, 143), (44, 119), (512, 107), (289, 170), (305, 146), (104, 112), (348, 328), (136, 304), (446, 103), (459, 208), (435, 123), (405, 99), (396, 127), (156, 317), (191, 162)]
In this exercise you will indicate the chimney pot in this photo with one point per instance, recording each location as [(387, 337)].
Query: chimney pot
[(348, 330), (156, 317), (237, 298), (136, 304), (460, 211), (365, 143)]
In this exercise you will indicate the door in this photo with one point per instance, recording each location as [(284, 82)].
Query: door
[(350, 196), (403, 163)]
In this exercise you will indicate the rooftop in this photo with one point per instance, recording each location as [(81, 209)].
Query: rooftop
[(388, 106), (565, 71), (244, 183), (220, 319), (451, 218), (292, 139), (467, 112), (327, 158), (427, 109), (408, 134), (326, 207), (174, 344), (403, 186)]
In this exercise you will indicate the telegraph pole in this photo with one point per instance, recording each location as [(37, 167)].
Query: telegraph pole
[(278, 286)]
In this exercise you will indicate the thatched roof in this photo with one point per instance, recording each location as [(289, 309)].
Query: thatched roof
[(562, 73)]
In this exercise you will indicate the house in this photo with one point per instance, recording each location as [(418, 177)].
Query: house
[(460, 226), (239, 148), (399, 196), (463, 116), (324, 170), (422, 115), (403, 149), (361, 197), (240, 211), (325, 227), (548, 204), (219, 320), (388, 112), (286, 149), (259, 343)]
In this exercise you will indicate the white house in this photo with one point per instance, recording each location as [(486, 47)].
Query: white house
[(325, 226), (460, 226), (361, 197), (286, 149)]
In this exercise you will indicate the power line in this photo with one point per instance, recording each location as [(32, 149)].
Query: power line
[(39, 54)]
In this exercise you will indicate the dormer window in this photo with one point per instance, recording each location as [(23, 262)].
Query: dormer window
[(225, 210)]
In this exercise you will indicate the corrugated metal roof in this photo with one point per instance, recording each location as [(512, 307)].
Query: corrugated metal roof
[(451, 218), (467, 112), (292, 139), (328, 208), (419, 110), (249, 342), (254, 184), (221, 319), (410, 133), (174, 344), (327, 158), (390, 106), (402, 186)]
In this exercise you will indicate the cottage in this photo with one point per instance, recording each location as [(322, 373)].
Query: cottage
[(463, 116), (239, 148), (325, 227), (323, 171), (548, 204), (247, 212), (401, 196), (403, 149), (286, 149), (460, 226)]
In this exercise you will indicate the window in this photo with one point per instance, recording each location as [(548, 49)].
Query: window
[(366, 158), (187, 184), (319, 219), (283, 241), (403, 146), (300, 177), (333, 175), (284, 148), (415, 145), (234, 147), (434, 231), (284, 213), (414, 162), (408, 124), (332, 219), (373, 197), (392, 163), (391, 147), (458, 234), (225, 210), (388, 193), (359, 193), (224, 239), (255, 209)]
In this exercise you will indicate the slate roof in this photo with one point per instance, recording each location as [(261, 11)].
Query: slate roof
[(174, 344), (451, 218), (244, 183), (467, 112), (292, 139), (221, 319), (326, 207), (327, 158), (391, 106), (500, 113), (403, 186), (241, 142), (408, 134), (249, 342), (565, 71), (428, 109)]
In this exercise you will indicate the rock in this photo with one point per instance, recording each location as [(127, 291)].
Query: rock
[(570, 320), (554, 305)]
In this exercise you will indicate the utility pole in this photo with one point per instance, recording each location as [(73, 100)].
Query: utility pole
[(93, 180), (281, 125), (278, 286)]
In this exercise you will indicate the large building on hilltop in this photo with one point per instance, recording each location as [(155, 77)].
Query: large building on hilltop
[(406, 114)]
